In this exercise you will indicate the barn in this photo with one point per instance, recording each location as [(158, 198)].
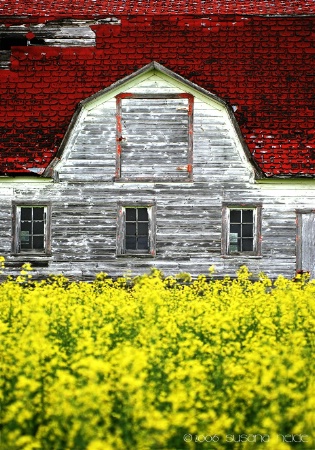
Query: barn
[(173, 134)]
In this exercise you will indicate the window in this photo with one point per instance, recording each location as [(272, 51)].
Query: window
[(31, 224), (135, 231), (154, 137), (241, 230)]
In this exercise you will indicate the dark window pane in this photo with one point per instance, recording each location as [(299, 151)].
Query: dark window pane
[(38, 228), (131, 243), (26, 245), (143, 214), (247, 245), (26, 226), (26, 213), (143, 243), (247, 216), (247, 230), (38, 213), (38, 242), (235, 215), (235, 229), (130, 228), (143, 228), (130, 214)]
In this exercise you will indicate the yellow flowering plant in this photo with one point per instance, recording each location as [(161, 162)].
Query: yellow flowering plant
[(156, 362)]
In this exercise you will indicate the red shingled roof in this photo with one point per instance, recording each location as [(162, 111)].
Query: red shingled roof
[(262, 66), (96, 8)]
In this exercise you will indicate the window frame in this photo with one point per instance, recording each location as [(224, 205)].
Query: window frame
[(257, 223), (121, 229), (16, 228), (119, 137)]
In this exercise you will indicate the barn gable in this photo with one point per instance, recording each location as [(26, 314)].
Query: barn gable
[(152, 126)]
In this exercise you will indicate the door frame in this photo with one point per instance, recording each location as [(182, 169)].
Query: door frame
[(299, 223)]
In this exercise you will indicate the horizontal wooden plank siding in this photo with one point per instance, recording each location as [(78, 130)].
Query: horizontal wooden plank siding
[(188, 226)]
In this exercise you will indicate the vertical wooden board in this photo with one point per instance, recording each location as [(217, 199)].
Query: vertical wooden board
[(308, 243)]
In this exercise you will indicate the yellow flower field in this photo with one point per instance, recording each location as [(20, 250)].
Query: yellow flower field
[(157, 363)]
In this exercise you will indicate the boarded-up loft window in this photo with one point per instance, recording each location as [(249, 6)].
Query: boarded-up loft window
[(154, 137)]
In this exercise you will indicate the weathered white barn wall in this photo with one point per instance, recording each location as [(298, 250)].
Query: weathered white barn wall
[(84, 219)]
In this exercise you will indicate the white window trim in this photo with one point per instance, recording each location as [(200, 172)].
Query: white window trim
[(16, 228), (257, 218), (121, 229)]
